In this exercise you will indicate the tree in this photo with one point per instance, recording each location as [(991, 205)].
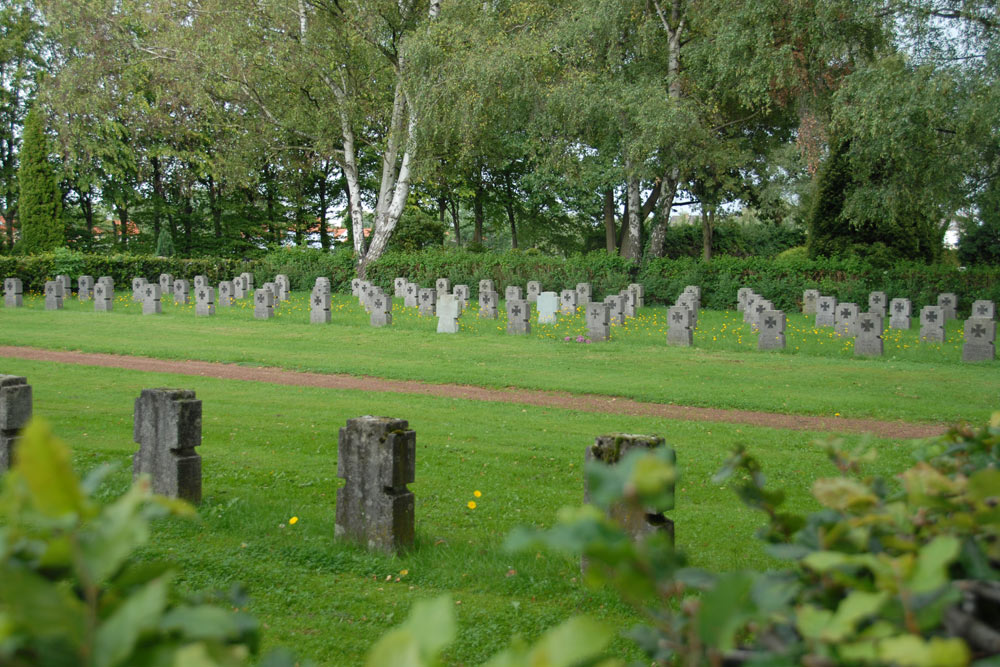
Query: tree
[(40, 201), (165, 244)]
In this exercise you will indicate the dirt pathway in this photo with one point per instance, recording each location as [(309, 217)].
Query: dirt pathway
[(548, 399)]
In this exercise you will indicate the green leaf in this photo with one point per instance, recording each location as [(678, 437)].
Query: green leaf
[(843, 494), (933, 559), (428, 629), (398, 647), (912, 651), (725, 609), (118, 531), (44, 462), (823, 561), (984, 484), (46, 607), (139, 613), (201, 622), (852, 609), (579, 640), (811, 621)]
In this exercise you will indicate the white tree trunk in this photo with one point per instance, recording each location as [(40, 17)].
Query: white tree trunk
[(631, 245)]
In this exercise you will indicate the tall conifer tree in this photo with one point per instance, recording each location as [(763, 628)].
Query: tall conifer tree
[(40, 203)]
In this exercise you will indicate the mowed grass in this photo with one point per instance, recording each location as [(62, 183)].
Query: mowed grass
[(816, 375), (270, 453)]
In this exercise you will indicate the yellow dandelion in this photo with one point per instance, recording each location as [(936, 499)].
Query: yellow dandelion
[(294, 520), (477, 494), (472, 504)]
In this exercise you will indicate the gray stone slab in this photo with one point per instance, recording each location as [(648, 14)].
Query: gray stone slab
[(679, 329), (567, 301), (376, 457), (868, 342), (598, 321), (182, 292), (442, 286), (616, 309), (771, 330), (323, 284), (900, 311), (137, 284), (512, 293), (411, 298), (488, 303), (638, 291), (66, 283), (167, 428), (984, 309), (462, 293), (200, 281), (547, 305), (980, 340), (104, 297), (428, 302), (263, 304), (319, 307), (204, 301), (534, 289), (826, 311), (742, 298), (448, 313), (690, 302), (53, 295), (239, 287), (932, 324), (247, 282), (226, 294), (629, 303), (693, 289), (284, 287), (356, 287), (486, 285), (759, 307), (15, 413), (85, 288), (877, 303), (949, 305), (847, 320), (583, 294), (810, 299), (399, 287), (13, 293), (381, 310), (518, 317), (151, 304), (166, 284)]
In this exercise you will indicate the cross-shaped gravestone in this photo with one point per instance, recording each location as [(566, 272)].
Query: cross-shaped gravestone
[(868, 342), (984, 309), (847, 320), (771, 326), (826, 306), (447, 312), (319, 306), (13, 293), (15, 413), (948, 302), (598, 321), (518, 313), (168, 428), (381, 309), (204, 305), (488, 302), (151, 304), (899, 310), (53, 295), (679, 330), (980, 340), (428, 300), (932, 324), (263, 304), (548, 306)]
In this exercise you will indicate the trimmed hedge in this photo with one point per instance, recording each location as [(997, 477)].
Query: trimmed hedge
[(781, 280)]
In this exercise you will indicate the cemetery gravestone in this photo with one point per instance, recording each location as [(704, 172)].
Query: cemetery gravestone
[(239, 287), (628, 303), (356, 287), (67, 284), (826, 311), (742, 298), (53, 295), (284, 287), (447, 312), (151, 300), (810, 299), (13, 293), (137, 284), (695, 290), (749, 314), (847, 320), (679, 331), (534, 289), (398, 287), (486, 285), (899, 313), (932, 324), (85, 288), (984, 309), (518, 317), (638, 295), (381, 315), (428, 301), (488, 302), (598, 321), (412, 298), (877, 303), (568, 301), (263, 304), (512, 293), (167, 428), (376, 457), (15, 413), (103, 298), (980, 340), (771, 330), (273, 289), (323, 285), (548, 306), (204, 302), (319, 307), (463, 294), (182, 292), (869, 341), (583, 294), (226, 293), (949, 304), (616, 309), (760, 306), (443, 286), (200, 281), (247, 282), (166, 284)]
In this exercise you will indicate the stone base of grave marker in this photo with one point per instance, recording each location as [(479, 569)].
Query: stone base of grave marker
[(15, 412), (167, 429), (376, 456)]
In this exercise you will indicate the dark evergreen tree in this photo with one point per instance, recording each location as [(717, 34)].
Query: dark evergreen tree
[(165, 244), (40, 203)]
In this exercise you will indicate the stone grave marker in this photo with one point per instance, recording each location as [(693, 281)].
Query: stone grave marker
[(679, 329), (239, 287), (247, 282), (356, 287), (695, 290), (398, 287), (826, 311), (771, 330), (428, 302), (323, 284), (67, 284), (486, 285), (748, 307), (85, 288), (319, 307), (204, 301), (534, 289), (636, 522), (742, 298), (376, 456), (381, 314), (598, 321), (412, 297), (760, 306), (984, 309), (949, 304), (638, 295), (488, 302), (151, 299), (567, 299), (448, 312), (53, 295), (869, 341), (284, 287), (899, 313), (463, 294), (877, 303), (518, 317), (847, 320), (137, 284), (104, 297), (225, 293), (182, 292), (980, 339), (810, 299), (15, 413), (166, 284), (442, 286), (628, 302), (273, 289), (583, 294), (13, 293), (616, 309), (512, 293), (200, 281), (547, 305), (167, 428), (263, 304), (932, 324)]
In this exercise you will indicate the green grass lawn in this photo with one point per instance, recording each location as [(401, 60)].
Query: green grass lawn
[(816, 375), (269, 453)]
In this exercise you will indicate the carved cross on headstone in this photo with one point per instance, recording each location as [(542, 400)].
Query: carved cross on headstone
[(867, 325), (378, 303), (876, 298), (516, 310), (317, 300), (677, 317), (979, 331), (900, 308), (946, 301), (760, 308), (932, 316), (260, 297), (983, 310), (845, 313), (149, 291), (824, 306), (770, 323), (487, 299), (409, 289), (201, 294)]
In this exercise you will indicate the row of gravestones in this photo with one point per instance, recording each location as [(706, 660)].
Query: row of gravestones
[(867, 328), (763, 317), (682, 317), (376, 457)]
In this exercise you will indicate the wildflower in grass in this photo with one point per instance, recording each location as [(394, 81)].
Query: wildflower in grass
[(477, 494), (294, 520), (472, 504)]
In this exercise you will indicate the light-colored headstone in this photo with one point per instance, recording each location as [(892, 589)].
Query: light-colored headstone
[(381, 310), (85, 288), (749, 313), (679, 330), (877, 303), (810, 299), (247, 282), (547, 305), (182, 292), (488, 303), (742, 298), (900, 311), (167, 428), (518, 316), (356, 287), (412, 297), (847, 320), (204, 301), (15, 413), (104, 297), (583, 294), (447, 312), (13, 293), (442, 286), (628, 303), (284, 287), (319, 307), (826, 311), (398, 287), (694, 289), (980, 339), (486, 285), (932, 324), (428, 302), (376, 456), (771, 330), (759, 307), (225, 294), (166, 284), (463, 294), (200, 281), (137, 284), (263, 304), (868, 342), (984, 309), (67, 285), (567, 300), (151, 304), (512, 293), (273, 289), (639, 295), (949, 305), (598, 320), (534, 289), (323, 284), (53, 295), (239, 287), (616, 309)]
